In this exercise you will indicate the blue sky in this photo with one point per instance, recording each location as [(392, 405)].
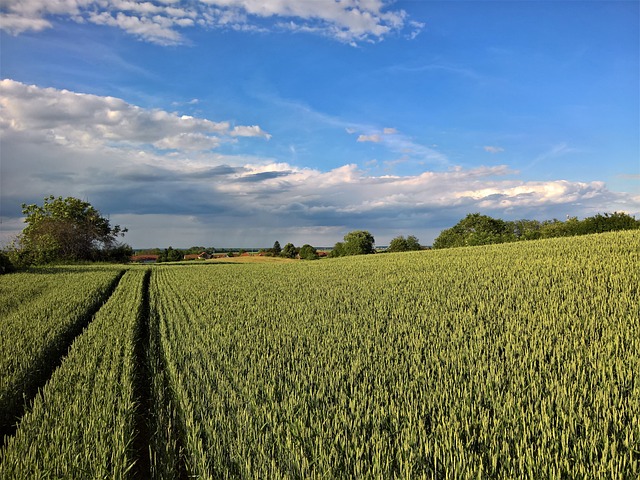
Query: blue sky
[(241, 122)]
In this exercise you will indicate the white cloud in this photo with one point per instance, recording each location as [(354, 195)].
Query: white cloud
[(348, 21), (375, 138), (88, 120), (389, 131), (157, 169), (252, 131), (16, 23)]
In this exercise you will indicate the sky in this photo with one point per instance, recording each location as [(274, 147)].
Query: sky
[(236, 123)]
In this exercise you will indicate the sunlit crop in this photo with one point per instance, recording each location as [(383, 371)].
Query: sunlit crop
[(40, 313), (513, 361), (82, 424), (504, 361)]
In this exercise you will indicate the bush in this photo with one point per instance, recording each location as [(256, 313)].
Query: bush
[(6, 266), (307, 252)]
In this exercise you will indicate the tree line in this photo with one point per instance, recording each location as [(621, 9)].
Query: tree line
[(477, 229), (71, 230)]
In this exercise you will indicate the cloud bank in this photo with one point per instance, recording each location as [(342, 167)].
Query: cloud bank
[(161, 21), (165, 177)]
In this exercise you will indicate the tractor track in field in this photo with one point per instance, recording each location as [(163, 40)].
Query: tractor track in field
[(55, 356), (142, 384), (167, 439)]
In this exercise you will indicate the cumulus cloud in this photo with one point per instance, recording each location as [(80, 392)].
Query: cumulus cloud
[(252, 131), (349, 21), (84, 120), (161, 175)]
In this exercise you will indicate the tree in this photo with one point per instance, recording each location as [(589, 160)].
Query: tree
[(276, 250), (357, 242), (338, 250), (475, 229), (525, 229), (401, 244), (307, 252), (6, 266), (171, 255), (66, 229), (289, 251), (610, 222)]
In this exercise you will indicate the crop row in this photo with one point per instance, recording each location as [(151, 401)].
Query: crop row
[(40, 314), (83, 422), (511, 361)]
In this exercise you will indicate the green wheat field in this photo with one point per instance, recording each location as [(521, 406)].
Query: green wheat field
[(517, 360)]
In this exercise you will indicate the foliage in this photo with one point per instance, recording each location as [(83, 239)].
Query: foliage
[(307, 252), (171, 255), (477, 229), (276, 249), (6, 265), (337, 250), (289, 251), (357, 242), (474, 229), (119, 254), (198, 250), (67, 229), (401, 244)]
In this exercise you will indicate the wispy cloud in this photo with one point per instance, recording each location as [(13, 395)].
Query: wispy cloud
[(555, 151), (455, 70), (375, 138), (396, 142), (493, 149), (348, 21)]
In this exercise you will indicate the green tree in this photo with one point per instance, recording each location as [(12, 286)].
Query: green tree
[(171, 255), (525, 229), (307, 252), (289, 251), (357, 242), (475, 229), (66, 229), (610, 222), (401, 244), (338, 250), (6, 266), (276, 250)]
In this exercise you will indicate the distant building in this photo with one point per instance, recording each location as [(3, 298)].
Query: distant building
[(144, 258), (197, 256)]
